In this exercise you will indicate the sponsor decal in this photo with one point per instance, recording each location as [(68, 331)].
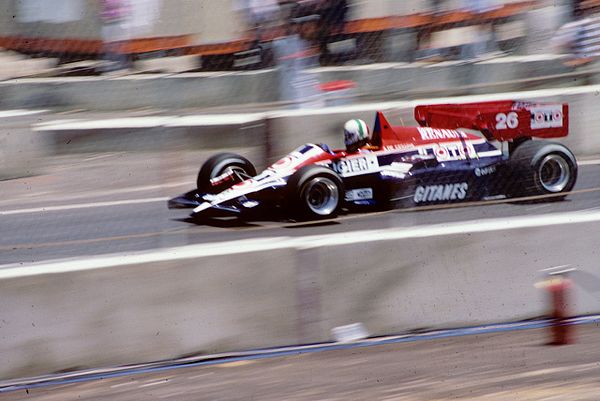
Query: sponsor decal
[(483, 171), (454, 151), (546, 117), (356, 165), (432, 134), (437, 193), (400, 146), (396, 170), (359, 194)]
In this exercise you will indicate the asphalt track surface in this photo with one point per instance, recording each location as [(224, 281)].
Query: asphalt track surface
[(116, 202), (474, 364)]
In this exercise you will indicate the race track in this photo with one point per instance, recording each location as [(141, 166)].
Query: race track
[(66, 213)]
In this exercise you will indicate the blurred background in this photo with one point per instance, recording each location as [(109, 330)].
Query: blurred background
[(91, 37), (109, 107)]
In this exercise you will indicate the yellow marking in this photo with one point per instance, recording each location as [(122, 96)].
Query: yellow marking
[(235, 364)]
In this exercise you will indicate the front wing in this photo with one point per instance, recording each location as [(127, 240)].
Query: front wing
[(234, 207)]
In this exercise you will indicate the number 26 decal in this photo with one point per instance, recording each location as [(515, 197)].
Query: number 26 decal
[(504, 121)]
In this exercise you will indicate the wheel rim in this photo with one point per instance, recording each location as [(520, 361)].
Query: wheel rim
[(322, 196), (554, 173)]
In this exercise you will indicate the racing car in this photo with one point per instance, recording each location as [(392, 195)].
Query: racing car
[(457, 153)]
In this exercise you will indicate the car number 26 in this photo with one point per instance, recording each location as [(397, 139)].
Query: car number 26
[(504, 121)]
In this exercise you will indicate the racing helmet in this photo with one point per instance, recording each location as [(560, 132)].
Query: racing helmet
[(356, 134)]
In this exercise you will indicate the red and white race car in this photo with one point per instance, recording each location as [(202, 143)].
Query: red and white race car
[(459, 152)]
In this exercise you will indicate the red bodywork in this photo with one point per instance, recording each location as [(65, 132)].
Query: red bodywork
[(387, 136), (502, 120)]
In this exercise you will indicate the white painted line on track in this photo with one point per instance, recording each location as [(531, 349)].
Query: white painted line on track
[(20, 113), (588, 162), (195, 377), (112, 123), (281, 243), (82, 206), (154, 383), (57, 123), (216, 120)]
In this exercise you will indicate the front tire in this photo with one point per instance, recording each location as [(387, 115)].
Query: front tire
[(315, 193), (542, 168), (218, 165)]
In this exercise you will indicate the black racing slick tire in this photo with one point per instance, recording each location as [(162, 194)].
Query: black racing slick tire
[(218, 165), (542, 168), (314, 193)]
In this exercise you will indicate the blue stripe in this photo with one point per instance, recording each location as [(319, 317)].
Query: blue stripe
[(291, 351)]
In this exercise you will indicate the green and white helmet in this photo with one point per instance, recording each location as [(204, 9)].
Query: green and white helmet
[(356, 134)]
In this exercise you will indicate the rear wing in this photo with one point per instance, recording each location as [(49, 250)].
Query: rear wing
[(503, 120)]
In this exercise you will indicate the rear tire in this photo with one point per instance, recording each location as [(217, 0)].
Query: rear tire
[(315, 193), (218, 165), (542, 168)]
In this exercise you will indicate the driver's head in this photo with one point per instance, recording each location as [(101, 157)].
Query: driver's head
[(356, 134)]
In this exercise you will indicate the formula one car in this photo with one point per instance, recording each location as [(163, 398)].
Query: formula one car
[(441, 161)]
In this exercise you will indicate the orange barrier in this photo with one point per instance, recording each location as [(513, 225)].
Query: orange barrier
[(217, 49), (71, 46), (46, 45)]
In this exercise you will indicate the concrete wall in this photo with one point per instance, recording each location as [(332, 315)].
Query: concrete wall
[(22, 151), (377, 82), (160, 92), (6, 17), (85, 23), (219, 22), (202, 305), (542, 24), (279, 292)]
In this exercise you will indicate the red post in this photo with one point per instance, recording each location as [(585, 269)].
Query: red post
[(558, 287)]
